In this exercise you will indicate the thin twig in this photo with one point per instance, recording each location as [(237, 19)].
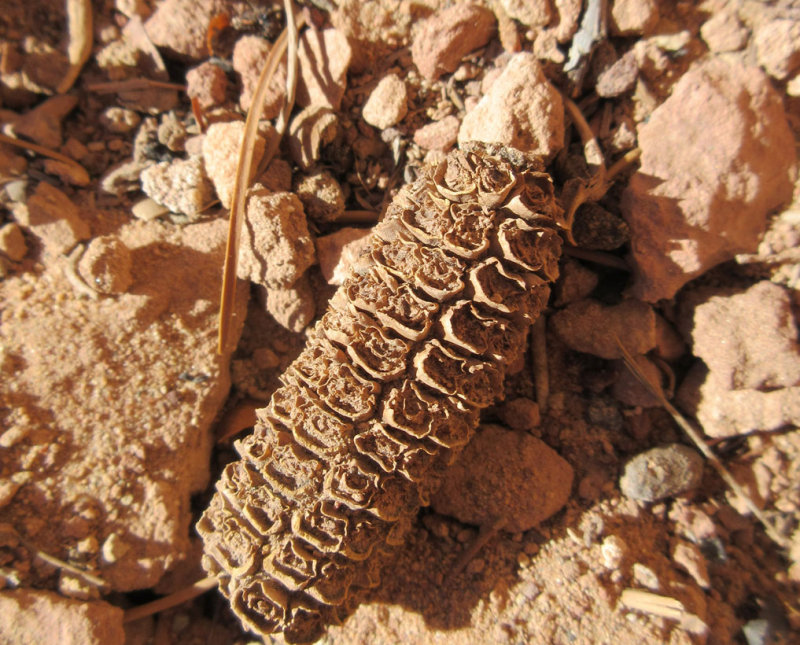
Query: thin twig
[(687, 427), (598, 257), (282, 122), (486, 533), (173, 600), (60, 564), (46, 152)]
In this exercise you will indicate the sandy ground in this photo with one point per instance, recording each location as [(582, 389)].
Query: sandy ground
[(117, 413)]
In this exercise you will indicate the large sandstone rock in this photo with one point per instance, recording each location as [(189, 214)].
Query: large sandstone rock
[(449, 35), (521, 109), (106, 425), (750, 379), (717, 157)]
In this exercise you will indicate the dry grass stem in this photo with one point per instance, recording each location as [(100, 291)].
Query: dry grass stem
[(243, 170), (598, 257), (486, 533), (687, 427), (173, 600), (60, 564), (81, 34), (46, 152)]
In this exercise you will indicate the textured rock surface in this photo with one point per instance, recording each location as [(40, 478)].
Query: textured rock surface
[(338, 251), (110, 405), (438, 135), (591, 327), (662, 472), (221, 156), (35, 617), (249, 56), (689, 210), (106, 265), (521, 109), (748, 342), (350, 445), (321, 195), (181, 185), (631, 17), (323, 59), (449, 35), (724, 32), (53, 218), (778, 47), (276, 247), (292, 307), (207, 83), (386, 105), (505, 474), (532, 13)]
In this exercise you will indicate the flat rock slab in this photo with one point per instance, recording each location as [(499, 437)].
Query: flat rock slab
[(107, 405), (32, 617), (750, 376), (503, 473)]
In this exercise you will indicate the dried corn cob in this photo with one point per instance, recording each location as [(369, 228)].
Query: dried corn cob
[(387, 391)]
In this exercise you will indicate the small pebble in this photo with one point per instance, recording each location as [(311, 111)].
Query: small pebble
[(476, 565), (645, 577), (661, 473), (113, 549), (180, 185), (322, 196), (520, 414), (115, 145), (120, 120), (207, 83), (689, 558), (387, 103), (12, 242), (464, 535), (444, 38), (613, 551), (106, 265), (438, 135)]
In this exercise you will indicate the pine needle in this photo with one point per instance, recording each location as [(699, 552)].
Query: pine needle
[(243, 168), (687, 427), (60, 564), (170, 601)]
